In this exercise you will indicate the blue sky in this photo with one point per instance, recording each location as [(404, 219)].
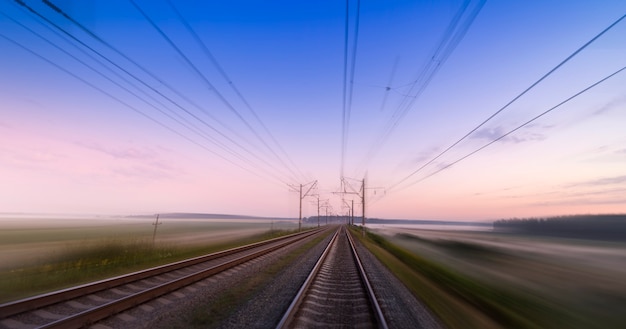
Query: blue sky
[(72, 140)]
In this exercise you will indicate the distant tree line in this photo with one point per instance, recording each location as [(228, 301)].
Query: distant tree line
[(597, 227)]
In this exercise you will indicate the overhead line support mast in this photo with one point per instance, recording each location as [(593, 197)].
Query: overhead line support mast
[(302, 196)]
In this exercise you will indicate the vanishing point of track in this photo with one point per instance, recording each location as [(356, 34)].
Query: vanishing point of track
[(337, 292)]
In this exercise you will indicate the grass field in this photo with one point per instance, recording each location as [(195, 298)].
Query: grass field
[(38, 256), (482, 279)]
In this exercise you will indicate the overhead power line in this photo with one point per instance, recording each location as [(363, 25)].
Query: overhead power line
[(455, 32), (135, 109), (393, 187), (178, 119), (348, 79), (212, 88), (142, 82), (207, 137), (224, 75), (388, 86), (513, 100), (143, 69)]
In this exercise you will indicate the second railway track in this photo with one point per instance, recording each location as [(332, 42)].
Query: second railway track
[(337, 293), (87, 304)]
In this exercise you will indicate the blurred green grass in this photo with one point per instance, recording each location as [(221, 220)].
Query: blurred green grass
[(460, 299), (83, 258)]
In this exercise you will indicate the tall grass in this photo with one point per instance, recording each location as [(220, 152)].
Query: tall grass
[(80, 262), (86, 261), (507, 308)]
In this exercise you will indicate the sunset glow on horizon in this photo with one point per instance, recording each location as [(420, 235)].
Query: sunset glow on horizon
[(79, 134)]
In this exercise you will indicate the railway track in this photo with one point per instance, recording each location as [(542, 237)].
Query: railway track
[(87, 304), (336, 293)]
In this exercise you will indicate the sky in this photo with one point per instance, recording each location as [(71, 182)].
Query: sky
[(143, 107)]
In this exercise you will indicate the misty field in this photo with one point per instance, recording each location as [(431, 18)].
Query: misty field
[(522, 281), (37, 256)]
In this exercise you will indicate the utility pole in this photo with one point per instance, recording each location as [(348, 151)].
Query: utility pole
[(361, 194), (321, 203), (300, 213), (326, 216), (302, 196), (352, 213), (318, 211), (156, 224), (363, 209)]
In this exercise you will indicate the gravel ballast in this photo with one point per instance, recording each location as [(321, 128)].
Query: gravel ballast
[(256, 294), (401, 308), (203, 306)]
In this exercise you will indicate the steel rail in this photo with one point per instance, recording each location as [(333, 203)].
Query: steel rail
[(378, 313), (36, 302), (290, 313), (104, 311), (291, 310)]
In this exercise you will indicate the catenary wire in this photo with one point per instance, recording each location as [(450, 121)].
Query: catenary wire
[(142, 68), (513, 100), (389, 82), (138, 111), (58, 10), (456, 30), (351, 79), (211, 87), (224, 75), (344, 87), (185, 124), (135, 63), (395, 188), (108, 60)]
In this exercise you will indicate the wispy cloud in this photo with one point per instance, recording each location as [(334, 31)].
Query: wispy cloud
[(537, 125), (424, 156), (121, 153), (30, 158), (604, 181), (131, 162), (414, 161), (612, 104), (600, 191), (596, 192), (490, 134), (500, 192), (142, 172), (579, 202)]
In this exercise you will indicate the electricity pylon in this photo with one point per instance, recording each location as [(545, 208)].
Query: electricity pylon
[(361, 193), (319, 206)]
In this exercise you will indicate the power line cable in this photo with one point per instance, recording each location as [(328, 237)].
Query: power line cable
[(143, 69), (138, 111), (178, 118), (455, 32), (352, 72), (58, 10), (224, 75), (389, 82), (211, 87), (345, 87), (514, 99), (393, 187), (185, 123), (208, 137)]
